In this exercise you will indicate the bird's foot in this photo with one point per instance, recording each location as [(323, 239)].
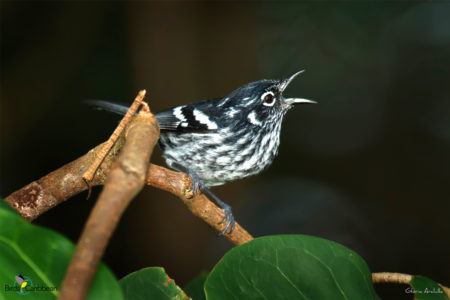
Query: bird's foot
[(228, 217), (195, 181)]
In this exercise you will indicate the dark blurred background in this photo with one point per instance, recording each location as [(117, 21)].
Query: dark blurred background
[(368, 167)]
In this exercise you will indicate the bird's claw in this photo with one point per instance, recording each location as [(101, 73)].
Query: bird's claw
[(195, 182), (229, 219)]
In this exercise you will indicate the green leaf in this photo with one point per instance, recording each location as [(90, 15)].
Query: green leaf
[(290, 267), (151, 283), (195, 288), (427, 289), (41, 256)]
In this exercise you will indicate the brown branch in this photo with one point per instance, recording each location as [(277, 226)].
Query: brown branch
[(126, 179), (56, 187), (445, 288), (387, 277), (179, 184), (47, 192)]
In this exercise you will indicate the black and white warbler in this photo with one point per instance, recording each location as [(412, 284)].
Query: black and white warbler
[(223, 139)]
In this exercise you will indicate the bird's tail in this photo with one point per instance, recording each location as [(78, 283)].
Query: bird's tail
[(108, 106)]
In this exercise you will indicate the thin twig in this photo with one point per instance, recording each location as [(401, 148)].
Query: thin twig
[(126, 179), (103, 152), (384, 277), (387, 277)]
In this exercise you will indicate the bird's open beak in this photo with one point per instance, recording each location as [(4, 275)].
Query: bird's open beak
[(288, 80), (291, 101), (298, 101)]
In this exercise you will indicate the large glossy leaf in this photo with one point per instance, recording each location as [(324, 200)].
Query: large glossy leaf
[(290, 267), (194, 289), (427, 289), (41, 257), (151, 283)]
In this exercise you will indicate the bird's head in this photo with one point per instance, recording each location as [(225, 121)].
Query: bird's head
[(262, 101)]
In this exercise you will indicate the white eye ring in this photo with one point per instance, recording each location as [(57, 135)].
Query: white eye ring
[(268, 99)]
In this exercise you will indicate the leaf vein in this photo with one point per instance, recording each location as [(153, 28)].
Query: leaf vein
[(329, 269)]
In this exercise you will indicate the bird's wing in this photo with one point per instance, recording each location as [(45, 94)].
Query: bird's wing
[(186, 118)]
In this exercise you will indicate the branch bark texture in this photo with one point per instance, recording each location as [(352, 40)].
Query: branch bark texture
[(56, 187), (384, 277)]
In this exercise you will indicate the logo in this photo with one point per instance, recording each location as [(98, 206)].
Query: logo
[(23, 285), (23, 282)]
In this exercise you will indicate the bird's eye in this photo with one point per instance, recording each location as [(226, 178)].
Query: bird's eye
[(268, 99)]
